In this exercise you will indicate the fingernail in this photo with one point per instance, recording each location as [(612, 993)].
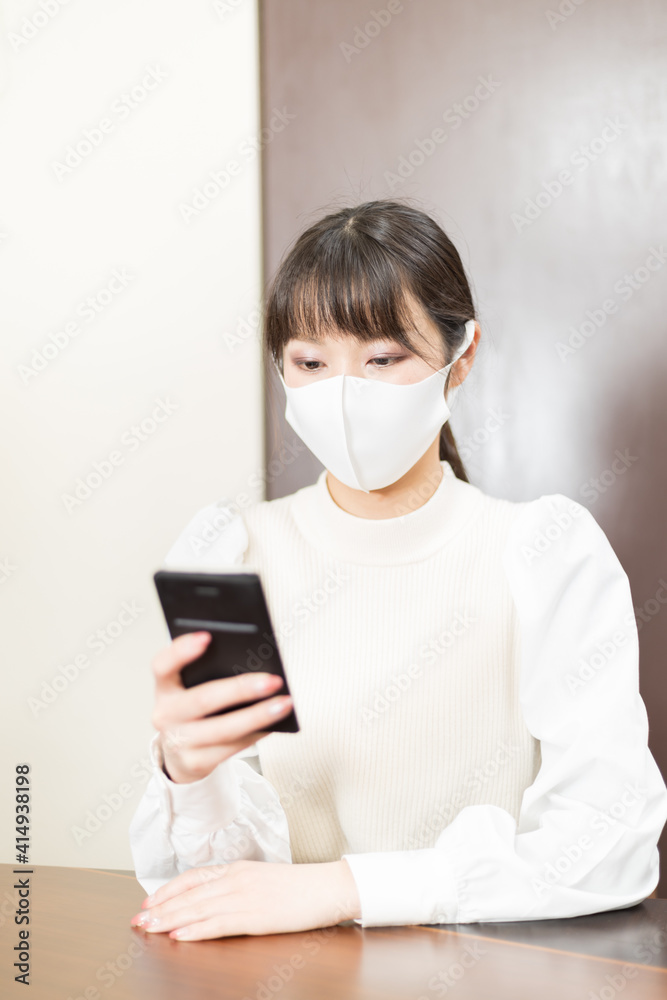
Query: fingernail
[(149, 900), (266, 683), (278, 706)]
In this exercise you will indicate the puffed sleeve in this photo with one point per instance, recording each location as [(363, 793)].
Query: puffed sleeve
[(589, 824), (215, 538), (233, 813)]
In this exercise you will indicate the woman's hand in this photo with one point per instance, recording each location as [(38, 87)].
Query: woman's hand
[(193, 746), (251, 897)]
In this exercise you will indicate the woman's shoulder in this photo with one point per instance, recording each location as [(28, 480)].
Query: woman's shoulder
[(552, 531), (219, 533), (547, 519), (215, 535), (556, 537)]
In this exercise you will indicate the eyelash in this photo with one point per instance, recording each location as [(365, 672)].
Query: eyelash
[(382, 357)]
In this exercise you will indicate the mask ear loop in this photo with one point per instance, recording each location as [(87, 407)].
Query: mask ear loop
[(467, 341)]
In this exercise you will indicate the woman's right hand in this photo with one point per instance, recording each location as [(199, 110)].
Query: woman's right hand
[(192, 746)]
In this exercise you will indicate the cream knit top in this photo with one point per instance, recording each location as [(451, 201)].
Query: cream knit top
[(401, 648), (465, 676)]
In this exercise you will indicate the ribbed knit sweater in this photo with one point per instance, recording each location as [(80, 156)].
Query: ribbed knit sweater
[(449, 749), (402, 649)]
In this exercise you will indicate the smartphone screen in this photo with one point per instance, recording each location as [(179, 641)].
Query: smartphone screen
[(232, 607)]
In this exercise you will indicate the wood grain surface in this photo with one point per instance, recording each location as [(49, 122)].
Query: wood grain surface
[(83, 948)]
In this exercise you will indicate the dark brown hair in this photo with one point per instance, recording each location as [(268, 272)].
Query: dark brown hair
[(348, 274)]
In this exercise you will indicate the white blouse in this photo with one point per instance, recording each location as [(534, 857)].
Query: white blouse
[(586, 838)]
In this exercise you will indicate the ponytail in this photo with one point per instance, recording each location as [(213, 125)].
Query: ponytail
[(449, 452)]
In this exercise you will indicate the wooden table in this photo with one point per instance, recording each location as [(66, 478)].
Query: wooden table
[(82, 946)]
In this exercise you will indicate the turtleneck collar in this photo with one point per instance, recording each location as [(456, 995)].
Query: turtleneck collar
[(413, 535)]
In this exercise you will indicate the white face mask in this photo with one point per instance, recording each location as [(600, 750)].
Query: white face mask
[(369, 433)]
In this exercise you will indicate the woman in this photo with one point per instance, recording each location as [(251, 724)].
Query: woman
[(464, 668)]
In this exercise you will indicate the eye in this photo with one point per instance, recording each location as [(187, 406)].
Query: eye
[(308, 362), (386, 357), (379, 362)]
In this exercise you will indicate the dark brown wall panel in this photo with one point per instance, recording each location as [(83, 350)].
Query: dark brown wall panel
[(550, 179)]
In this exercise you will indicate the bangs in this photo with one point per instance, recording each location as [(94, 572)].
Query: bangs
[(341, 292)]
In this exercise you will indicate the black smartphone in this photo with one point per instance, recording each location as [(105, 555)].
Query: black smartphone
[(232, 607)]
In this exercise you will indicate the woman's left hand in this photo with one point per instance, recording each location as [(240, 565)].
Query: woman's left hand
[(251, 897)]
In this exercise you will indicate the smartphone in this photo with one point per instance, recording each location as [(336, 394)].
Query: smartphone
[(232, 607)]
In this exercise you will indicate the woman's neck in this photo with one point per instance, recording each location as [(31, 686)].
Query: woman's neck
[(408, 493)]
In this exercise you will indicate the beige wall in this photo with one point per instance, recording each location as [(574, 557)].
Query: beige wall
[(582, 92), (176, 332)]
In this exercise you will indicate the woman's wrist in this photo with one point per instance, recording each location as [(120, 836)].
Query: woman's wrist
[(171, 772), (350, 902)]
